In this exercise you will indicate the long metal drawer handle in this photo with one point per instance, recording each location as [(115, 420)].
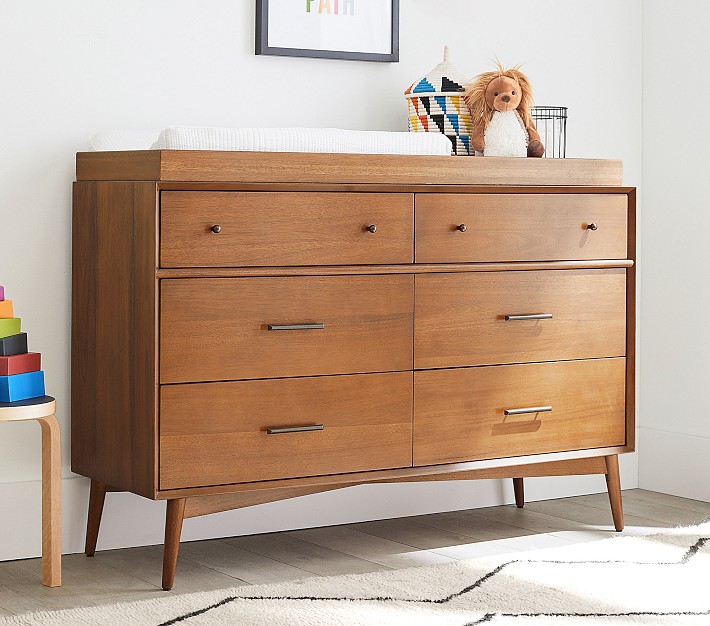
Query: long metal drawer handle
[(293, 429), (532, 409), (536, 316), (296, 327)]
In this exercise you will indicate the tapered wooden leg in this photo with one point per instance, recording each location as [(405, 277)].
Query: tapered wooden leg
[(97, 496), (613, 485), (519, 492), (173, 528), (51, 502)]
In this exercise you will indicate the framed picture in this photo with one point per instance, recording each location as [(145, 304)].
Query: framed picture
[(359, 30)]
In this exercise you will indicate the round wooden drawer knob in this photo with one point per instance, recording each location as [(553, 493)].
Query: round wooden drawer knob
[(592, 226), (216, 229), (372, 228), (461, 228)]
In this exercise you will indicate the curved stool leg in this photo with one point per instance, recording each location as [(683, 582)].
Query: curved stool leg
[(51, 502)]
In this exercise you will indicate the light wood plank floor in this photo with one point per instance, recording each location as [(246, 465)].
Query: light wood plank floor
[(134, 573)]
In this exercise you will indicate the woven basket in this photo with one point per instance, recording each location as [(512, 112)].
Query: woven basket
[(435, 105)]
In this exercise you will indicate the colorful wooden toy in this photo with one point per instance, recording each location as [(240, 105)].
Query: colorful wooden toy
[(21, 386), (16, 344), (9, 327), (20, 363), (6, 308)]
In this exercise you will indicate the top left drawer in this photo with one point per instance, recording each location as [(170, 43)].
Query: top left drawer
[(257, 229)]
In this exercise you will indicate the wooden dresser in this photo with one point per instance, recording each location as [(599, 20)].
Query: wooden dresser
[(253, 327)]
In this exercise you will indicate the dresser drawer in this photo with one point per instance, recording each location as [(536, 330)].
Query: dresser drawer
[(460, 415), (460, 319), (266, 229), (519, 227), (242, 328), (218, 433)]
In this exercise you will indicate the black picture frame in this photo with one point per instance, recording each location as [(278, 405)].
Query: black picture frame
[(262, 39)]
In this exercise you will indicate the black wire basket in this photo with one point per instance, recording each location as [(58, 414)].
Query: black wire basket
[(551, 123)]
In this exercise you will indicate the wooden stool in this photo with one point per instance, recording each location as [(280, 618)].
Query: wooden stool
[(42, 409)]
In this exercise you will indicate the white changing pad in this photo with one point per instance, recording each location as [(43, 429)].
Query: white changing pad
[(112, 140), (329, 140)]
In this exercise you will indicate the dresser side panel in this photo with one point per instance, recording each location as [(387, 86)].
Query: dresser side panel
[(113, 335), (83, 334), (128, 165), (144, 338), (631, 326)]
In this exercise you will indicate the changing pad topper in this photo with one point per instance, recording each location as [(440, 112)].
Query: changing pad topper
[(113, 140), (328, 140)]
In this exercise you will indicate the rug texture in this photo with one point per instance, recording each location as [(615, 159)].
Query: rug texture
[(657, 579)]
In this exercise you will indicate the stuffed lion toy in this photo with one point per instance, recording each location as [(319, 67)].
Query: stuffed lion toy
[(500, 103)]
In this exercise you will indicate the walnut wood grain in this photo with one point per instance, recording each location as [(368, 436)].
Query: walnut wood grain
[(97, 498), (174, 515), (217, 329), (459, 413), (519, 227), (631, 327), (459, 319), (206, 505), (361, 270), (272, 167), (117, 314), (519, 490), (133, 165), (84, 425), (217, 433), (453, 187), (507, 468), (113, 334), (491, 468), (613, 484), (263, 229)]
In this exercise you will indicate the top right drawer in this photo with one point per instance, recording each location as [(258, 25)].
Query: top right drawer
[(475, 228)]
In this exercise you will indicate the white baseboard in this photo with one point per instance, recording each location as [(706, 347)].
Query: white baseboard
[(130, 520), (675, 464)]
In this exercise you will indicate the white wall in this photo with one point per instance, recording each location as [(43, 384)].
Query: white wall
[(73, 67), (675, 230)]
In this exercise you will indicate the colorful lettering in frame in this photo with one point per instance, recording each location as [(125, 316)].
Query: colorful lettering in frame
[(359, 30)]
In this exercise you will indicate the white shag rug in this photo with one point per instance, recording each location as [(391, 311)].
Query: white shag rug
[(657, 579)]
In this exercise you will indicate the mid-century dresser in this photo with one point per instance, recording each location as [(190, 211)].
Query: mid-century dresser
[(251, 327)]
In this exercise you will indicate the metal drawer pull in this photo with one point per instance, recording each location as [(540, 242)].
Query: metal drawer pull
[(532, 409), (536, 316), (461, 228), (372, 228), (296, 327), (293, 429), (592, 226), (216, 229)]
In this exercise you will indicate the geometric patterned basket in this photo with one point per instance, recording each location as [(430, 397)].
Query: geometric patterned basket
[(436, 105)]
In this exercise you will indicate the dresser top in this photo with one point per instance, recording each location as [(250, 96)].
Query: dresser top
[(273, 167)]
